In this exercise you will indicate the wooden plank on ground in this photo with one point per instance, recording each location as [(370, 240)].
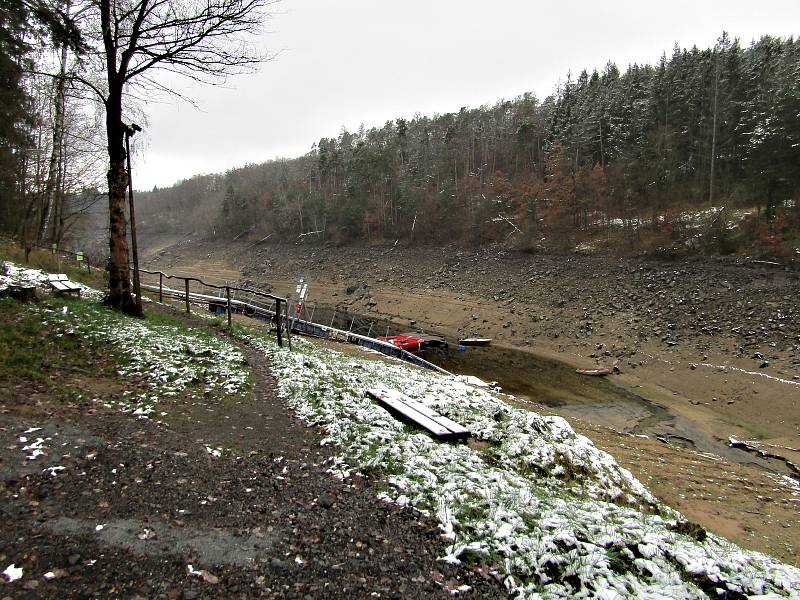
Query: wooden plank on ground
[(400, 407), (432, 414), (440, 426)]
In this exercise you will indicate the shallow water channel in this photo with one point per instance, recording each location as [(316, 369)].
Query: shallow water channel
[(535, 381), (530, 378)]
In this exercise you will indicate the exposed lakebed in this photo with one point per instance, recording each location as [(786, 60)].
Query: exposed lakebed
[(544, 383)]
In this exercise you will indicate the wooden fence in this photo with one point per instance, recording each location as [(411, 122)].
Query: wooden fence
[(275, 310), (252, 303)]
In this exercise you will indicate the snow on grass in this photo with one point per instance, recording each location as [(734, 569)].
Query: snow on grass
[(170, 357), (12, 274), (559, 516)]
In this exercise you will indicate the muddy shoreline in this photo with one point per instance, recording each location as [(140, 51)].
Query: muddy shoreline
[(706, 350), (548, 382)]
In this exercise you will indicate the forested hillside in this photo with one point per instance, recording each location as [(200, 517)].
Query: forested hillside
[(670, 156)]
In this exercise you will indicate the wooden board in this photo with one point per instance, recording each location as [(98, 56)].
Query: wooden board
[(432, 414), (440, 426)]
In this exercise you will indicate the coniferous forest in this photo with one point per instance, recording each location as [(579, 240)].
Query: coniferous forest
[(700, 151)]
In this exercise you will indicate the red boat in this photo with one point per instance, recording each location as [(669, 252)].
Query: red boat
[(409, 343)]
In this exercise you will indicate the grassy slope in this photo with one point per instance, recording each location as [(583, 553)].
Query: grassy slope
[(529, 498)]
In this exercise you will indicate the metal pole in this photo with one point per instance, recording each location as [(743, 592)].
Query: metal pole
[(333, 317), (313, 308), (137, 288), (187, 295), (351, 325), (228, 294), (371, 323), (161, 287)]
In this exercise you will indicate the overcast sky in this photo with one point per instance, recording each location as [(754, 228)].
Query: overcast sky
[(347, 62)]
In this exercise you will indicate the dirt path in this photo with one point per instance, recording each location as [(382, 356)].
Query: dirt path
[(713, 348), (122, 507)]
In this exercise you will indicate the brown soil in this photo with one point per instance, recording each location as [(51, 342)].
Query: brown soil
[(137, 503), (710, 346)]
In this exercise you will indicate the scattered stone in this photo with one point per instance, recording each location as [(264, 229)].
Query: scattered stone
[(277, 563)]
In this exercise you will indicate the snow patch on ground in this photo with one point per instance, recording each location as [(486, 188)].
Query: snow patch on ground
[(560, 516), (12, 573), (12, 274), (171, 359)]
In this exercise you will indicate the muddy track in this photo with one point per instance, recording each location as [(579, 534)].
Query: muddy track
[(137, 503)]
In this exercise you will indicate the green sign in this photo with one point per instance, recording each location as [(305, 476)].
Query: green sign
[(79, 256)]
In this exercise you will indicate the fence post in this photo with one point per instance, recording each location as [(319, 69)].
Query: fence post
[(187, 295), (228, 294), (288, 327), (278, 321), (161, 287)]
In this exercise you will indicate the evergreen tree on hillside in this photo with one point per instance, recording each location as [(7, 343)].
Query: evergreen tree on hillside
[(643, 148), (15, 110)]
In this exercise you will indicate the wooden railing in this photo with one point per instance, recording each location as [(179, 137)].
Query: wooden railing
[(275, 310)]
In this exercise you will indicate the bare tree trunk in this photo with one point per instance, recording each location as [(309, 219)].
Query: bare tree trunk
[(119, 279), (50, 191), (58, 222)]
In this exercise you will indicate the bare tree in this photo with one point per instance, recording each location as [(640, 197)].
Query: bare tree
[(131, 40), (54, 186)]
